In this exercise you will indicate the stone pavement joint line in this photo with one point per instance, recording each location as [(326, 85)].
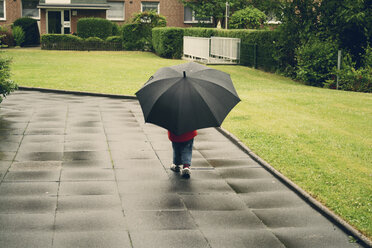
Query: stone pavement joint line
[(85, 171)]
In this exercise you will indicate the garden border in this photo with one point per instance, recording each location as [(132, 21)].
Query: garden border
[(346, 227)]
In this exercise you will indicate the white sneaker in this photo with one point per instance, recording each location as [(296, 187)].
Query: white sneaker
[(186, 172), (175, 168)]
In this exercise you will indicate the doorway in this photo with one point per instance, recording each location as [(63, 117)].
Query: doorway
[(54, 22)]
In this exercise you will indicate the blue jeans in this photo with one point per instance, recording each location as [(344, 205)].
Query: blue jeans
[(182, 152)]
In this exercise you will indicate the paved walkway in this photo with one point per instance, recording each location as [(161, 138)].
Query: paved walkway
[(84, 171)]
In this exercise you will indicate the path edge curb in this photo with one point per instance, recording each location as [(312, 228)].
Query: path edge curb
[(347, 228), (81, 93)]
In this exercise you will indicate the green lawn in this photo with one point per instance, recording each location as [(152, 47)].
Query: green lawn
[(321, 139)]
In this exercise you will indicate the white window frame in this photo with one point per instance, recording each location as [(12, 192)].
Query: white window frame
[(116, 19), (193, 20), (4, 5), (36, 18), (158, 12)]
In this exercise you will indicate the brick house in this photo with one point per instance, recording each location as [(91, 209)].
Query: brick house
[(61, 16)]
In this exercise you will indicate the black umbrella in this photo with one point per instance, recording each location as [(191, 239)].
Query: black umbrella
[(187, 97)]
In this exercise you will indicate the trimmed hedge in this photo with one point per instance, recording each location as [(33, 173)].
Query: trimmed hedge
[(168, 42), (71, 42), (94, 27), (133, 37), (29, 26)]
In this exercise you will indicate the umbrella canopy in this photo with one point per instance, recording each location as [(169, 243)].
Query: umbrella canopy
[(187, 97)]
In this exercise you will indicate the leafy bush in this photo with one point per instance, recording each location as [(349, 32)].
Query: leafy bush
[(6, 85), (61, 41), (350, 78), (316, 61), (115, 29), (6, 36), (29, 26), (19, 35), (249, 17), (114, 39), (168, 42), (94, 27), (147, 21), (133, 38)]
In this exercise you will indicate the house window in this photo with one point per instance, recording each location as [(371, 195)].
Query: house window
[(2, 9), (116, 11), (189, 17), (29, 8), (150, 6)]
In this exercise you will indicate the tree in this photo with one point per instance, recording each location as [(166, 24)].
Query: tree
[(349, 22), (249, 17)]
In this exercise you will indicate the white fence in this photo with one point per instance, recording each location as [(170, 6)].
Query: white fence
[(216, 50)]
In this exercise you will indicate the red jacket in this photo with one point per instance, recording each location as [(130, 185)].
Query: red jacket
[(183, 137)]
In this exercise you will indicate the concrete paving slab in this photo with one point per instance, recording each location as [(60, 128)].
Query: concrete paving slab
[(219, 220), (88, 172), (220, 202), (255, 185), (27, 204), (26, 239), (36, 166), (242, 238), (169, 238), (139, 174), (32, 189), (112, 239), (39, 156), (160, 220), (141, 163), (29, 176), (85, 203), (272, 199), (7, 156), (312, 237), (88, 188), (90, 221), (86, 164), (90, 175), (152, 201), (26, 223)]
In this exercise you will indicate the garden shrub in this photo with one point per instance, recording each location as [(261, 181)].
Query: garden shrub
[(61, 42), (94, 27), (6, 84), (19, 35), (316, 61), (31, 29), (115, 29), (114, 39), (168, 42), (352, 79), (147, 21), (133, 37), (249, 17), (6, 36)]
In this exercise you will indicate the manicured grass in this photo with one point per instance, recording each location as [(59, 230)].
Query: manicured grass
[(321, 139), (104, 72)]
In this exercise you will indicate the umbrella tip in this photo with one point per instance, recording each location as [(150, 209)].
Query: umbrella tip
[(184, 74)]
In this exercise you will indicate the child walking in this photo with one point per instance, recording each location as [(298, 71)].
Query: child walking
[(182, 152)]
